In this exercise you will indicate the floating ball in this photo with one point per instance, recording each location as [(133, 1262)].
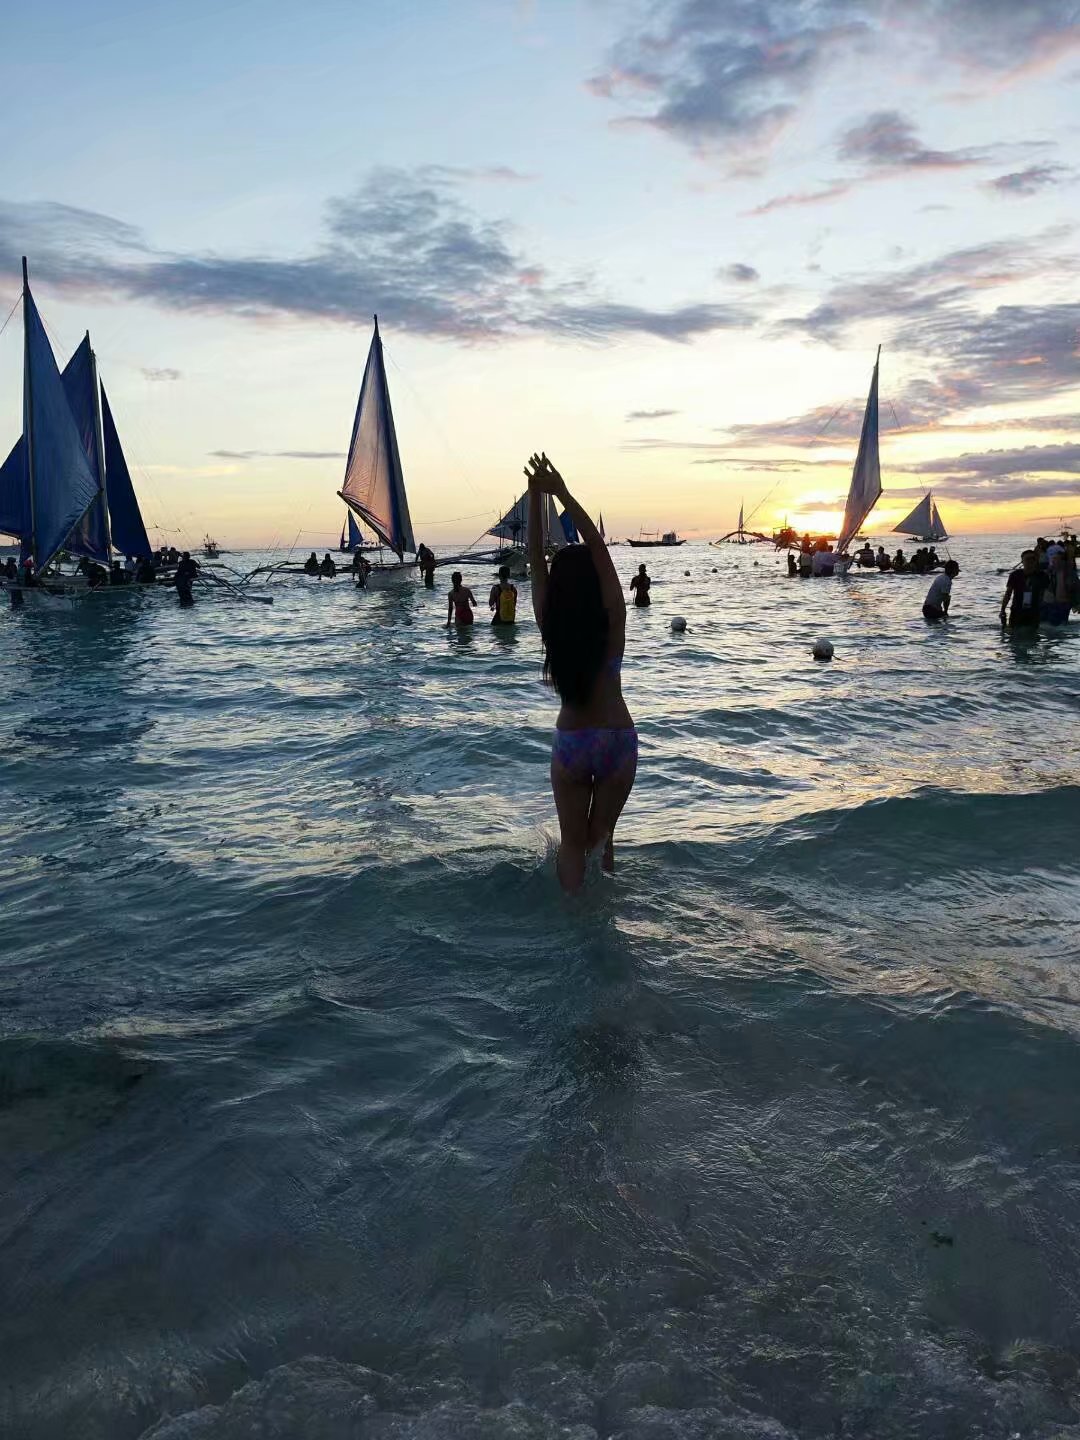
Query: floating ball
[(678, 623), (823, 650), (714, 569), (686, 572)]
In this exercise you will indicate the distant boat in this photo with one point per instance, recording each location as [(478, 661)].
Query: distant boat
[(650, 539), (374, 485), (351, 538), (210, 548), (924, 522), (65, 488), (514, 526), (865, 488), (741, 536)]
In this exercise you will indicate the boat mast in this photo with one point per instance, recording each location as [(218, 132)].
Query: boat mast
[(28, 407), (99, 446)]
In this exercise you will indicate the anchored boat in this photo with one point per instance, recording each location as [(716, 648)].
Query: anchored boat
[(65, 488), (650, 540), (374, 485)]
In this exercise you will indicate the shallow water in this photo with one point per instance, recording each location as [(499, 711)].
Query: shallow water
[(311, 1082)]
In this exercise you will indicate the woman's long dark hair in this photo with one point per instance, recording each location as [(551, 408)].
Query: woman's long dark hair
[(575, 625)]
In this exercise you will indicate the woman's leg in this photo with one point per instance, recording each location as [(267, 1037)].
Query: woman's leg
[(572, 800), (609, 797)]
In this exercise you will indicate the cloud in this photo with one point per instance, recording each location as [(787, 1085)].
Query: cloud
[(278, 454), (930, 287), (741, 273), (887, 141), (1029, 181), (165, 373), (491, 174), (730, 74), (401, 245), (803, 197), (731, 71), (650, 414), (989, 466)]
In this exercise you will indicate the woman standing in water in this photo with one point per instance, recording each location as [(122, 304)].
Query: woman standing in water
[(582, 617)]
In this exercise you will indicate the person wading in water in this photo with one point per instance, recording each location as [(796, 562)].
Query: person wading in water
[(580, 609)]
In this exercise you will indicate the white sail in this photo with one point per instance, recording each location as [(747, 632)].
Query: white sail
[(924, 521), (514, 525), (866, 477), (374, 485), (740, 518)]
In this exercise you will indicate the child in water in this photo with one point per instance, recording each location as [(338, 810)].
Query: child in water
[(581, 612), (459, 602)]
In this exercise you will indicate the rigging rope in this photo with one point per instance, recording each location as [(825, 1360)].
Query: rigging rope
[(780, 482)]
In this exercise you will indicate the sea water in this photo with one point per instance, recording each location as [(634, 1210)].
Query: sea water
[(323, 1113)]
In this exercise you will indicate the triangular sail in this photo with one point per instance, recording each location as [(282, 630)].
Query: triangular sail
[(569, 529), (15, 493), (918, 522), (924, 521), (90, 536), (351, 538), (740, 518), (128, 531), (63, 485), (514, 525), (600, 526), (866, 477), (374, 485)]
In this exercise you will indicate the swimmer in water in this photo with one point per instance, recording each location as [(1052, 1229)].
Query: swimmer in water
[(459, 602), (641, 584), (502, 601), (581, 612)]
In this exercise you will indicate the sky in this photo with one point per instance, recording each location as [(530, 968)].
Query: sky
[(660, 241)]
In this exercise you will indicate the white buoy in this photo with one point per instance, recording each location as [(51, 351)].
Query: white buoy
[(678, 623), (823, 649)]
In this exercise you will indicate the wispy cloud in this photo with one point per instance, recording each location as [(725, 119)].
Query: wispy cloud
[(401, 245), (992, 465), (730, 74), (799, 198), (160, 375), (932, 288), (278, 454), (1029, 181), (739, 272), (887, 141), (650, 414)]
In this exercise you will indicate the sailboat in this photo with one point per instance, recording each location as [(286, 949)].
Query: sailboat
[(514, 526), (351, 538), (865, 488), (65, 486), (924, 522), (374, 485)]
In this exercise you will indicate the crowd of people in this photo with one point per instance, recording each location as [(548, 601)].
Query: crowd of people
[(1044, 587)]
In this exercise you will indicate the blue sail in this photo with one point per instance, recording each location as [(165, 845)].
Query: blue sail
[(569, 528), (355, 537), (63, 483), (91, 535), (15, 494), (128, 531), (374, 485)]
